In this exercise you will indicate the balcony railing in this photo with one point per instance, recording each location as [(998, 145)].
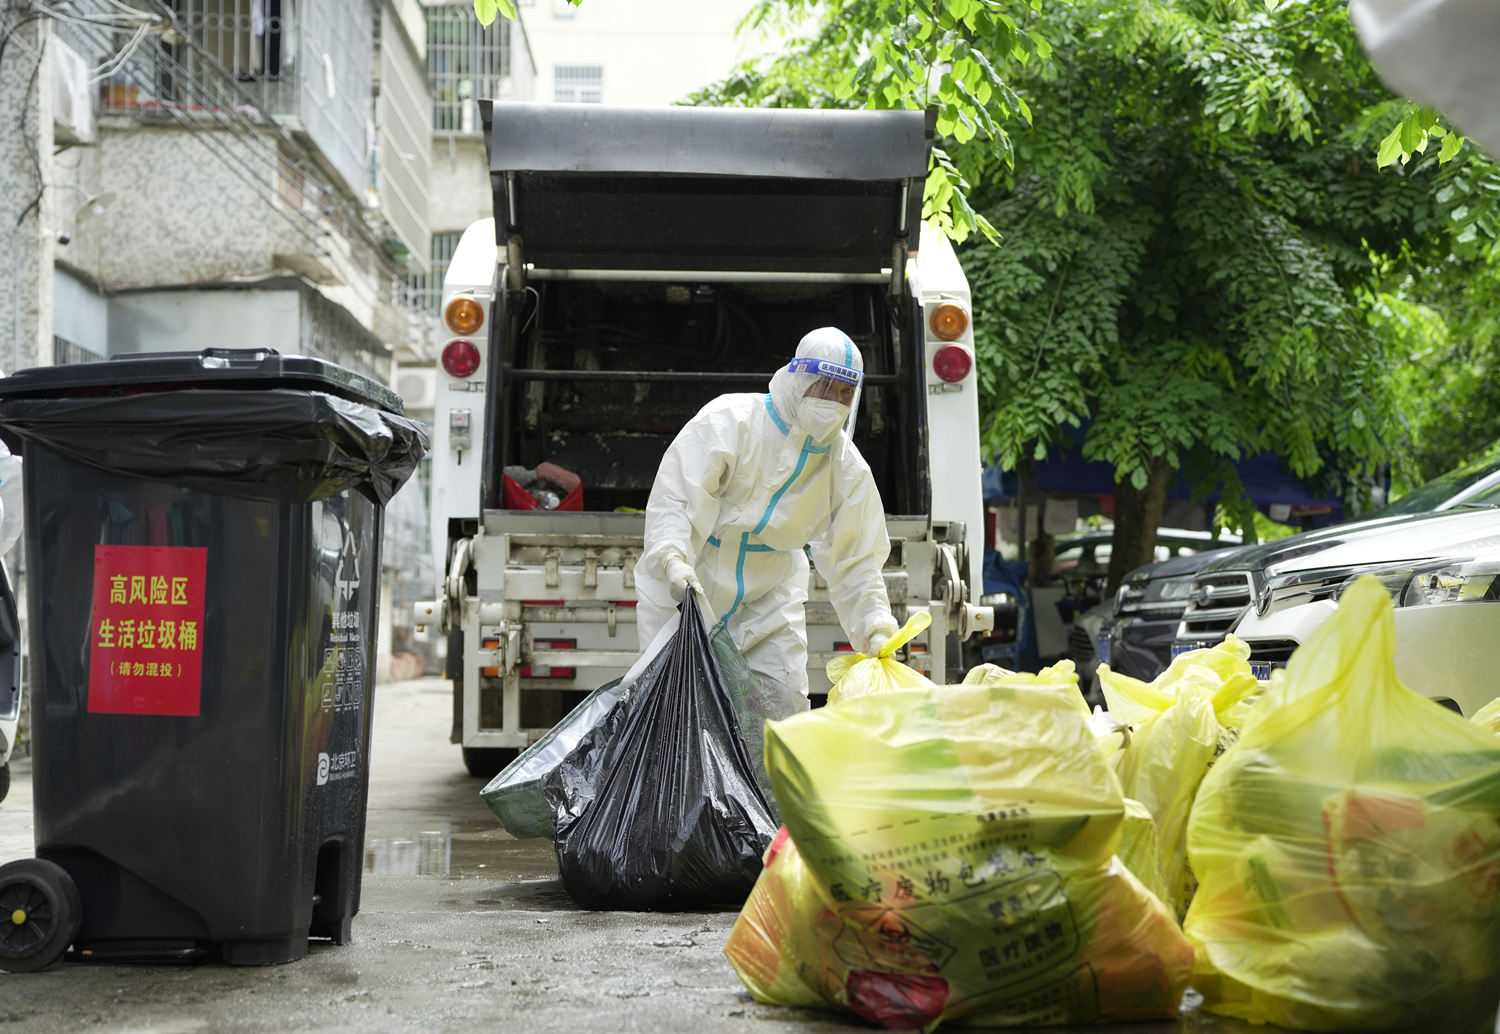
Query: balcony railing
[(308, 63)]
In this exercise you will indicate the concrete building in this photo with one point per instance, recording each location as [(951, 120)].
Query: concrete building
[(227, 173)]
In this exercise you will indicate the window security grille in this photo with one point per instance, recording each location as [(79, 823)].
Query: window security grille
[(578, 84), (466, 62)]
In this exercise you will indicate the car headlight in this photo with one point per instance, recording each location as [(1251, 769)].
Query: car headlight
[(1163, 590), (1464, 582), (1446, 580)]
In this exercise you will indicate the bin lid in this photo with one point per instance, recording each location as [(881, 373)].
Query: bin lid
[(220, 368), (589, 186)]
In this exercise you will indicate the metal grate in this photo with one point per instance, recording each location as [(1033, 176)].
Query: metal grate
[(1215, 606), (1272, 651), (66, 353), (312, 62), (250, 40), (1081, 645), (466, 62), (578, 84)]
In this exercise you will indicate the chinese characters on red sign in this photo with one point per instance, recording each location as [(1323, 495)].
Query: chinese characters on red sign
[(146, 654)]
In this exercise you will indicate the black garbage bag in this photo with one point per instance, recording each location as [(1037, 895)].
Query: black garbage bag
[(657, 808)]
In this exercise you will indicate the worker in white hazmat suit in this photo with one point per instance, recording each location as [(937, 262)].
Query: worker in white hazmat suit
[(745, 485)]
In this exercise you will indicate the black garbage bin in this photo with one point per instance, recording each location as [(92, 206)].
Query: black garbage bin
[(203, 540)]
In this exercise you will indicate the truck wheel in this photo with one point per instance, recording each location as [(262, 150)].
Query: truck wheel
[(40, 912), (486, 762)]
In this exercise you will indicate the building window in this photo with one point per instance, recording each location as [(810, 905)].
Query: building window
[(466, 63), (578, 84), (424, 291), (245, 36)]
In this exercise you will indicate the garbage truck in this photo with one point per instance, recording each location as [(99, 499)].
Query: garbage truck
[(640, 262)]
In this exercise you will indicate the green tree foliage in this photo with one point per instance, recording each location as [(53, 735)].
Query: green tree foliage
[(1213, 235), (1203, 259), (913, 54)]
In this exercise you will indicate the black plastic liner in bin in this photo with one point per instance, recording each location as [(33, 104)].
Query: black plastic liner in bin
[(203, 551), (657, 807)]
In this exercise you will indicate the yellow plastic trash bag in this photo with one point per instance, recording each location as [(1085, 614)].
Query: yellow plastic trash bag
[(1488, 717), (960, 857), (1348, 848), (1063, 674), (773, 941), (1179, 723), (857, 674), (1140, 849)]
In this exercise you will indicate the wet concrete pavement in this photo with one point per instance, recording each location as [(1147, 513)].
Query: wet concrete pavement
[(461, 927)]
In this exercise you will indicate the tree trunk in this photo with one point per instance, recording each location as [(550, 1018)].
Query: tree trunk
[(1137, 516)]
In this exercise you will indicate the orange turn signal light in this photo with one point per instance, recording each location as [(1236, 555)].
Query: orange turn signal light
[(948, 321), (464, 315)]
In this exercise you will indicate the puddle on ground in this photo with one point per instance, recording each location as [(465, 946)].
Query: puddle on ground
[(458, 849)]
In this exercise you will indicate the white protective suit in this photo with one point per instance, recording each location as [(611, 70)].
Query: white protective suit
[(740, 491)]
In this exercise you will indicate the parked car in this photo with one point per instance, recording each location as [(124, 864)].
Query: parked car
[(1145, 612), (1150, 608), (1443, 574), (1089, 635), (1226, 586)]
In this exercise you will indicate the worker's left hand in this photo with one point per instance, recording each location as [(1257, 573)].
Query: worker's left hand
[(876, 642), (681, 577)]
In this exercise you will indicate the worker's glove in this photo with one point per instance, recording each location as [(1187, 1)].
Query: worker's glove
[(681, 577), (877, 641)]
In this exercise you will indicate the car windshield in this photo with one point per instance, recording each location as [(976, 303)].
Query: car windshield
[(1444, 487)]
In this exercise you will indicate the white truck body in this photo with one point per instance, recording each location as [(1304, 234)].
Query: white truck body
[(642, 262)]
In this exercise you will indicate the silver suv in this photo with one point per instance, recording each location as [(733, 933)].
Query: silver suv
[(1227, 586)]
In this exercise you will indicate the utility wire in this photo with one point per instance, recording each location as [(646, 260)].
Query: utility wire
[(267, 192), (353, 215)]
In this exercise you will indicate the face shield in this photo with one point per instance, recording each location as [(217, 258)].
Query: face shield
[(819, 390)]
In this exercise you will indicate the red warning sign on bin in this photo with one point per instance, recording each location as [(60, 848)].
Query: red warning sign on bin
[(146, 655)]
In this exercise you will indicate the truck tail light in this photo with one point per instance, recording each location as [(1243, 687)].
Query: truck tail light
[(460, 358), (948, 321), (952, 363), (464, 315), (545, 671), (489, 644)]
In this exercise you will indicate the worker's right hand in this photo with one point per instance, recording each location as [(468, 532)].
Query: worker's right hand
[(681, 577)]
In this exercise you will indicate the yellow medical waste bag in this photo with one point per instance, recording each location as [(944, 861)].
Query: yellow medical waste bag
[(856, 674), (954, 859), (1179, 723), (1347, 848)]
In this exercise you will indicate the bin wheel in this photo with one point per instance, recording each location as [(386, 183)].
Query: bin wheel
[(40, 912), (486, 762), (4, 780)]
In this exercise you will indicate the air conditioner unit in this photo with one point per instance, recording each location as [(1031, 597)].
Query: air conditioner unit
[(417, 386), (72, 100)]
